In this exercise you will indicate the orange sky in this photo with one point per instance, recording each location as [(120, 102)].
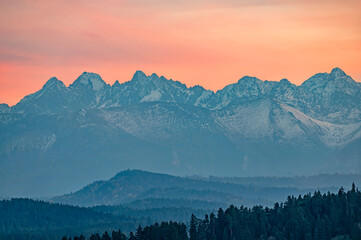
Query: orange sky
[(205, 42)]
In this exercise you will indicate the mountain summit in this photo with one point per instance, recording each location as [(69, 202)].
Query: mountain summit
[(89, 80), (338, 72)]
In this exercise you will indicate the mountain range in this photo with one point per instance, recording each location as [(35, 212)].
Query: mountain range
[(60, 138)]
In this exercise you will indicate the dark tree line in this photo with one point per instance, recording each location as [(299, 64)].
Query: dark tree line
[(27, 219), (163, 231), (309, 217), (115, 235)]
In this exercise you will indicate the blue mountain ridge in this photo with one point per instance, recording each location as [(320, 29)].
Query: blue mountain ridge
[(70, 136)]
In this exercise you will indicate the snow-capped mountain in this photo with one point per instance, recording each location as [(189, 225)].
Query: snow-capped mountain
[(153, 88), (333, 97), (53, 97), (251, 127)]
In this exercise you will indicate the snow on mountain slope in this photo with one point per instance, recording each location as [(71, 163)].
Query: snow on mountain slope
[(158, 121), (202, 99), (89, 90), (334, 97), (31, 142), (90, 80), (261, 121), (246, 89), (332, 135), (154, 96), (54, 96), (143, 88)]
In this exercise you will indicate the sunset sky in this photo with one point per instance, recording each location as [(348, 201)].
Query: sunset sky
[(206, 42)]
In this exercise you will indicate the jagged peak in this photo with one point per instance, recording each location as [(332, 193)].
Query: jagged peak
[(87, 78), (317, 78), (163, 78), (4, 108), (53, 79), (139, 75), (53, 82), (245, 85), (338, 72), (198, 87), (337, 77), (116, 84), (4, 105), (285, 81), (154, 75), (90, 74), (249, 79)]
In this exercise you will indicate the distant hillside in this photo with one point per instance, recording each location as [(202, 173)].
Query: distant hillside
[(134, 186), (29, 219), (154, 214), (148, 203), (301, 182)]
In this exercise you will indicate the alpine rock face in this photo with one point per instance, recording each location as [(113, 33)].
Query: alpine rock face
[(91, 130)]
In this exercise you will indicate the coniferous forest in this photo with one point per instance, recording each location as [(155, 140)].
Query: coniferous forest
[(314, 216)]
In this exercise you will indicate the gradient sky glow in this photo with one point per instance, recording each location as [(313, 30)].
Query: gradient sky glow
[(205, 42)]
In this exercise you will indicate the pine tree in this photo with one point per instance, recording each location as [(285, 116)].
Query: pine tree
[(131, 236), (106, 236), (95, 237), (193, 228)]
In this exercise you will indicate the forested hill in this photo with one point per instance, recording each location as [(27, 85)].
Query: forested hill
[(24, 219), (312, 216), (318, 216), (132, 187)]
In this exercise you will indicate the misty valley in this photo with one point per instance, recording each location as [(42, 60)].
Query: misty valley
[(141, 205)]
